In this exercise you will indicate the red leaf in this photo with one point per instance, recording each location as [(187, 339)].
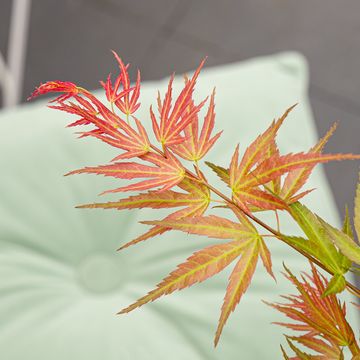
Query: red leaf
[(195, 147), (126, 103), (167, 173), (68, 88), (174, 119)]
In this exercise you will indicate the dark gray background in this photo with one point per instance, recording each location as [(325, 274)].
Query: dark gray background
[(70, 40)]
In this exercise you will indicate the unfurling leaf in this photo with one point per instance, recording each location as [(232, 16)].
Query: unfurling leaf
[(198, 267), (68, 88), (109, 127), (126, 103)]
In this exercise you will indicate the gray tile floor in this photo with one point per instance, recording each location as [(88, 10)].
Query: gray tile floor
[(70, 39)]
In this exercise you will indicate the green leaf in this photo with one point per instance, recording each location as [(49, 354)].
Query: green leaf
[(347, 224), (357, 211), (348, 231), (314, 228), (305, 245), (300, 354), (336, 285), (221, 172), (344, 242)]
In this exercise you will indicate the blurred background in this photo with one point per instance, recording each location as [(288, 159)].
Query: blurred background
[(43, 40)]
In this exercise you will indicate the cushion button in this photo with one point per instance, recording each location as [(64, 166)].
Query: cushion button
[(101, 273)]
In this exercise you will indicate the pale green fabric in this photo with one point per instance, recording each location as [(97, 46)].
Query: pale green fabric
[(61, 280)]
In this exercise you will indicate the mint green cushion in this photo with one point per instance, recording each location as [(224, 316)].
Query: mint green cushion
[(61, 280)]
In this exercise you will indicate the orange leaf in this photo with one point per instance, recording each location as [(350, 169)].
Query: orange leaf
[(167, 173), (198, 197), (321, 318), (211, 226), (255, 152), (109, 127), (276, 166), (295, 179), (198, 267), (266, 257), (239, 281), (259, 199), (193, 147)]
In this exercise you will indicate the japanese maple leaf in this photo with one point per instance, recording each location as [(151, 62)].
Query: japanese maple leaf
[(194, 202), (257, 168), (246, 244), (195, 146), (295, 179), (175, 118), (109, 127), (127, 99), (321, 319), (253, 155), (68, 89), (166, 173)]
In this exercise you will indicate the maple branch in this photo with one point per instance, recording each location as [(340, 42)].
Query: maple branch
[(353, 289), (354, 348), (178, 133)]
